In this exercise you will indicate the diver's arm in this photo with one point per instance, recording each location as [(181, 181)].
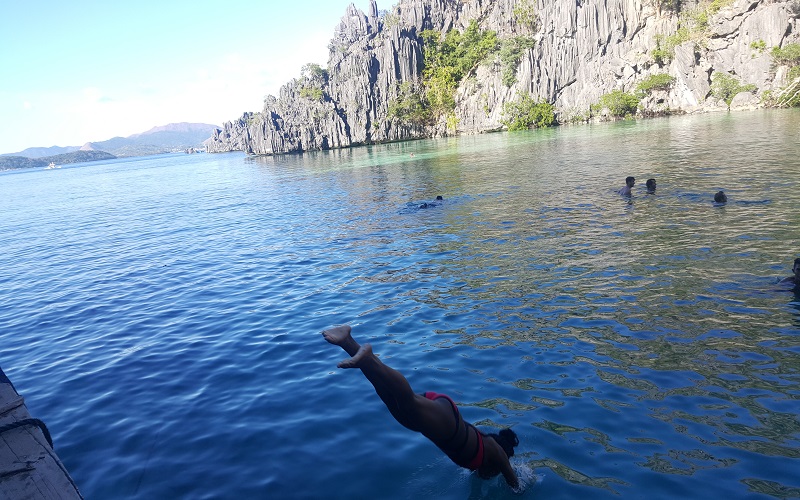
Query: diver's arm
[(500, 461)]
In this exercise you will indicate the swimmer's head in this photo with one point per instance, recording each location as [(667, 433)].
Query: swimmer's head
[(630, 181), (720, 197), (651, 185), (507, 439), (439, 198)]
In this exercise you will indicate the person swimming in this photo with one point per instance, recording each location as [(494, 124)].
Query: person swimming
[(651, 186), (720, 197), (795, 278), (431, 204), (626, 189), (433, 415)]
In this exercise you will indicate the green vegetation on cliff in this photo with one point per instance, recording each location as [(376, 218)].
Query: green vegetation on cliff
[(788, 55), (667, 5), (314, 79), (524, 113), (525, 15), (725, 87), (788, 96), (449, 59), (618, 103), (659, 81), (410, 105), (692, 26), (511, 51)]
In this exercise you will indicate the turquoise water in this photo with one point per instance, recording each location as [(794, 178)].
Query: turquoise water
[(162, 314)]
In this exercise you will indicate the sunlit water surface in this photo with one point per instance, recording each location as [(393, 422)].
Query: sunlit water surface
[(162, 314)]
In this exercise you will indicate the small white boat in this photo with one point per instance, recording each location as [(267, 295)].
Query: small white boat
[(52, 165)]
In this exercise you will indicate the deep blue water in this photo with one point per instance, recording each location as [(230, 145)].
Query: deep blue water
[(162, 314)]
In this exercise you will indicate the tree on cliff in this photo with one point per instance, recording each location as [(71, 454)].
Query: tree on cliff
[(315, 78), (525, 112), (725, 87), (667, 5)]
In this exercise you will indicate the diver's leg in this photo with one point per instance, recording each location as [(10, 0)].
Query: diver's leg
[(391, 385), (413, 411), (340, 335)]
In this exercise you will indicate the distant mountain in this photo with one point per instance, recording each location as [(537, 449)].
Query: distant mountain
[(181, 128), (15, 162), (42, 152), (164, 139)]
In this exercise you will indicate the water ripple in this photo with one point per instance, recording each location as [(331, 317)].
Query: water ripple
[(162, 315)]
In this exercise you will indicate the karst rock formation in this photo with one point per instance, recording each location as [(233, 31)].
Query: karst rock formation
[(582, 50)]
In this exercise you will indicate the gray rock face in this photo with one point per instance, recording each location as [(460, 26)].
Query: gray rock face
[(583, 49)]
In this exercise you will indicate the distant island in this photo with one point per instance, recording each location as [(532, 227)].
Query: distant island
[(16, 162), (171, 138)]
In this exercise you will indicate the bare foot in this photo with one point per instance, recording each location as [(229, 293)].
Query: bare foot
[(364, 351), (337, 335)]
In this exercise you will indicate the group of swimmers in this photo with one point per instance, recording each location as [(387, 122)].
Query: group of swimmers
[(631, 181), (719, 198), (625, 190), (436, 416)]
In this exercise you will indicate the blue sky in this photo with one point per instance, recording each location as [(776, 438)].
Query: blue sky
[(78, 71)]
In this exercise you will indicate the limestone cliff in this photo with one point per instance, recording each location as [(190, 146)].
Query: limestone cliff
[(581, 50)]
